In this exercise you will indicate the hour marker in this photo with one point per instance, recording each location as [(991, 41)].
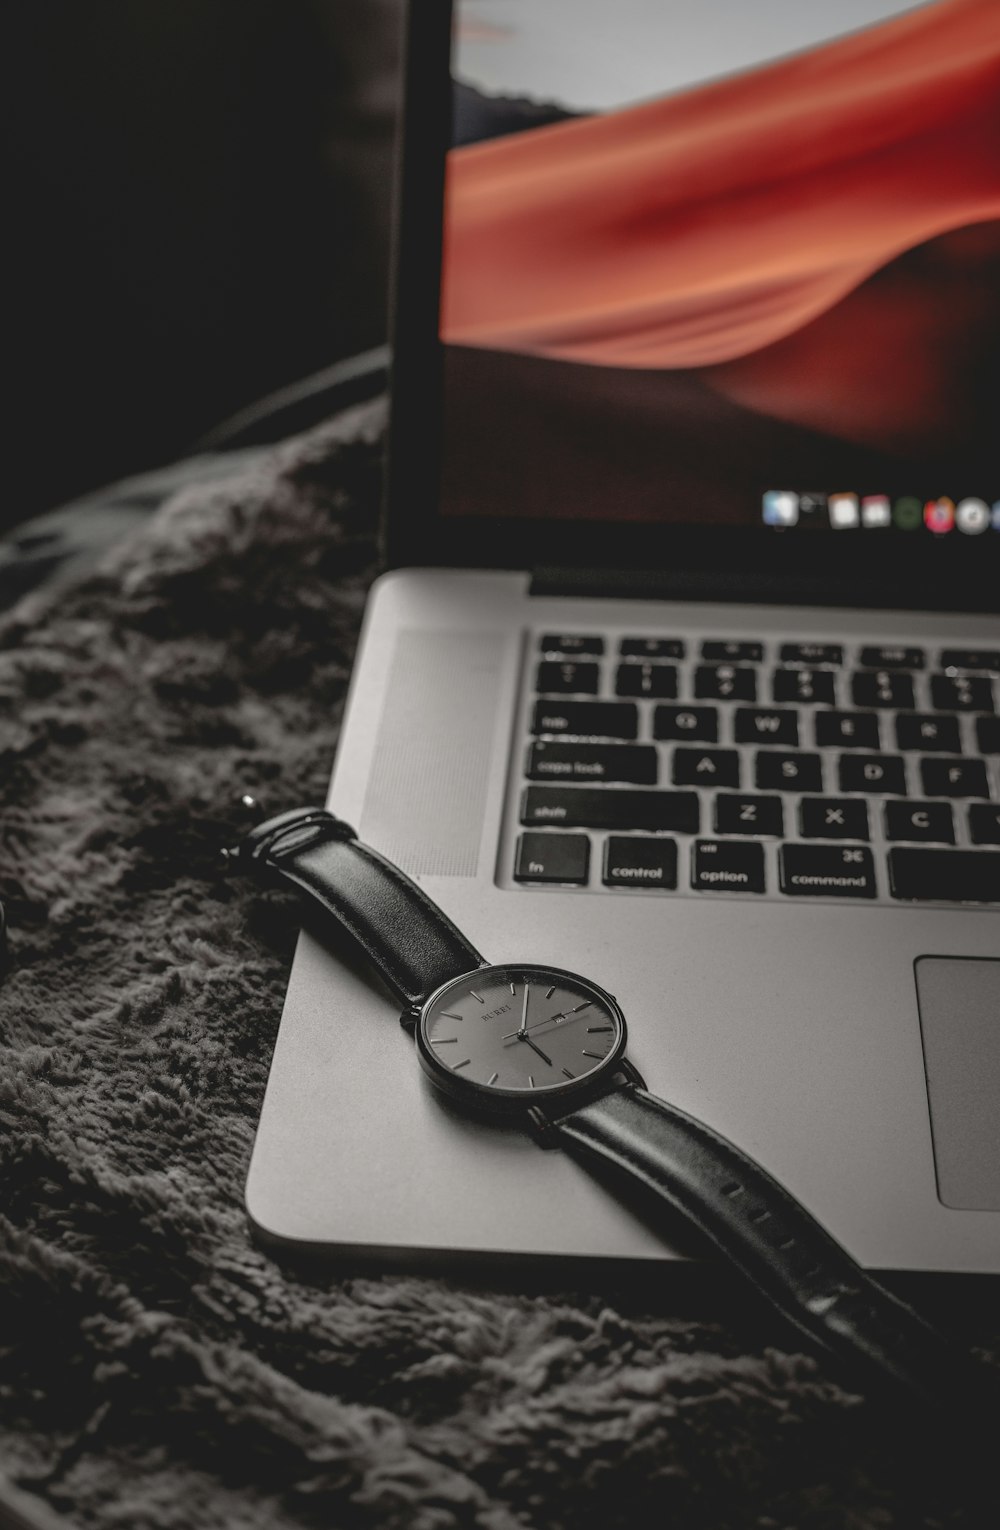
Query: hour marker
[(576, 1011), (568, 1074), (531, 1082), (593, 1054), (447, 1015), (493, 1078), (477, 996), (593, 1030), (442, 1041), (551, 991), (464, 1064), (512, 988)]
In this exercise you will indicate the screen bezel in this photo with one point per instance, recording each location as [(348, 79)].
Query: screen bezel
[(858, 568)]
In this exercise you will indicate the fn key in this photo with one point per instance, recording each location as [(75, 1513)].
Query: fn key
[(552, 858)]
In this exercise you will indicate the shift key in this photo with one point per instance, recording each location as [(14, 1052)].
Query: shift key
[(584, 807)]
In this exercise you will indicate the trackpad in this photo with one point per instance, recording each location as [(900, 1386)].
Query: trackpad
[(959, 1002)]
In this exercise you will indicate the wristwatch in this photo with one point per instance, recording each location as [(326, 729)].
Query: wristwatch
[(546, 1047)]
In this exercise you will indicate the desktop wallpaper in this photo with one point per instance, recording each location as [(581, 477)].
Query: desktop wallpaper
[(696, 254)]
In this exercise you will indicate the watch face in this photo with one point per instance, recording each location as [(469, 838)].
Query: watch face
[(512, 1034)]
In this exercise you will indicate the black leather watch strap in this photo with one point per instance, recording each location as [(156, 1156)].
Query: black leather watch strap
[(413, 944), (773, 1239)]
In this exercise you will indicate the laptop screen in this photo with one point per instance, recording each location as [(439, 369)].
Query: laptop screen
[(722, 265)]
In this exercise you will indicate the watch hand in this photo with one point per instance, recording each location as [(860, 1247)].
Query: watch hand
[(541, 1054), (524, 1011)]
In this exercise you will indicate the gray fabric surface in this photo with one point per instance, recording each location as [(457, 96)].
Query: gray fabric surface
[(158, 1369)]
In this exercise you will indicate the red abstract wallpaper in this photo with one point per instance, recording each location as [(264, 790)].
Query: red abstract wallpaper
[(800, 263)]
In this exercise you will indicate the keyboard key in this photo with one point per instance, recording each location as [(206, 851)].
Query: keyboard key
[(954, 778), (848, 730), (945, 876), (587, 719), (598, 807), (552, 858), (763, 725), (811, 653), (719, 865), (833, 818), (633, 862), (783, 771), (892, 658), (988, 734), (962, 693), (928, 730), (919, 821), (883, 688), (651, 648), (570, 644), (736, 813), (827, 871), (873, 773), (706, 767), (971, 658), (686, 723), (725, 682), (984, 823), (567, 679), (730, 651), (812, 685), (593, 762), (646, 680)]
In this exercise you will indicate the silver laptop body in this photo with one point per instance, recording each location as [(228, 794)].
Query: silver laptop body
[(823, 990)]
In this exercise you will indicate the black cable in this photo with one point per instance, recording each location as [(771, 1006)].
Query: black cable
[(302, 404)]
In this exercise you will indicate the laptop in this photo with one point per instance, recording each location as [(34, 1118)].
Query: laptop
[(684, 672)]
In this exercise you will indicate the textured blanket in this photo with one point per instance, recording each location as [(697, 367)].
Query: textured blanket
[(156, 1367)]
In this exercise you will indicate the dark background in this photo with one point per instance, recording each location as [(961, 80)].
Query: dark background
[(198, 198)]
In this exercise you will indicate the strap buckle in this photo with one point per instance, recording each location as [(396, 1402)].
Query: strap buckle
[(268, 841)]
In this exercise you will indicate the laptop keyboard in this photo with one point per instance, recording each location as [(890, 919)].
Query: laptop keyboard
[(792, 769)]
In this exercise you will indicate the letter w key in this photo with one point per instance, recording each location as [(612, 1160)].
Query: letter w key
[(767, 725)]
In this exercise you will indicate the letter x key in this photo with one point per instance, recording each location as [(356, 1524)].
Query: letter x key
[(834, 818)]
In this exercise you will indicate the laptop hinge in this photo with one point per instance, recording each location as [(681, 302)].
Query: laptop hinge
[(751, 587), (659, 584)]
